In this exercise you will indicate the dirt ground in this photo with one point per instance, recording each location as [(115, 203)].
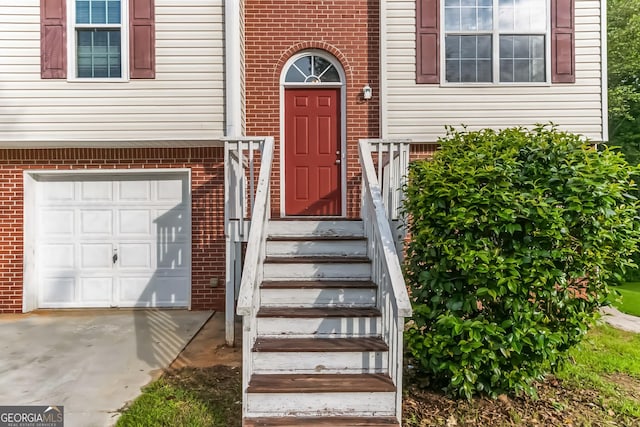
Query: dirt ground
[(208, 347)]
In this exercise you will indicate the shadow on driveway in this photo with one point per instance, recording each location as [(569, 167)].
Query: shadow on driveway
[(90, 362)]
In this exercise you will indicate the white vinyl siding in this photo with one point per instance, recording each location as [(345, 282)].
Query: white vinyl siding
[(184, 102), (421, 111)]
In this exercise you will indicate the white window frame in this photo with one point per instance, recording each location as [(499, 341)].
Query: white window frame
[(72, 70), (495, 49)]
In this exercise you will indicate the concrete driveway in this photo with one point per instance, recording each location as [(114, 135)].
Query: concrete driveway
[(90, 362)]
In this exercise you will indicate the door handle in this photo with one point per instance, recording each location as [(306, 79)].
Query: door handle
[(115, 257), (337, 161)]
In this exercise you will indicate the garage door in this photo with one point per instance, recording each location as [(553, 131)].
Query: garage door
[(113, 241)]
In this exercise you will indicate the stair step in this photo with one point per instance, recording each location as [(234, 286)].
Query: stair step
[(317, 268), (321, 322), (317, 296), (318, 284), (316, 227), (317, 312), (321, 422), (292, 345), (346, 259), (312, 237), (320, 383), (320, 355), (316, 245)]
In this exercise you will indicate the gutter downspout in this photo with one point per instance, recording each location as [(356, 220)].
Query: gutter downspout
[(233, 128), (603, 71)]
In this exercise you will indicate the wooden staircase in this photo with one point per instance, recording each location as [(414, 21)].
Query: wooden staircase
[(318, 358)]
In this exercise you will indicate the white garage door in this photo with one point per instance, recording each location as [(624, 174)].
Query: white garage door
[(113, 241)]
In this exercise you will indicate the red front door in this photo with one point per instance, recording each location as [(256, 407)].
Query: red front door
[(312, 152)]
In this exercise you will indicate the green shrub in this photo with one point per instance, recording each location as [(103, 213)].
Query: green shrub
[(515, 237)]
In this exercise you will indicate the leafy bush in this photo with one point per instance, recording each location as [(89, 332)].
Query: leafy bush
[(515, 237)]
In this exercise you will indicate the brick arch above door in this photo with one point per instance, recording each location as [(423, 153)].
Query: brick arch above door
[(312, 45)]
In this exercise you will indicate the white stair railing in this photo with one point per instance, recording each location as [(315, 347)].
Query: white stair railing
[(241, 158), (393, 299), (392, 163), (252, 272)]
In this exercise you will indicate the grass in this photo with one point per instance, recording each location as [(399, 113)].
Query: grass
[(599, 386), (189, 397), (630, 303), (609, 361)]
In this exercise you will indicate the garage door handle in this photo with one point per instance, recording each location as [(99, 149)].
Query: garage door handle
[(115, 258)]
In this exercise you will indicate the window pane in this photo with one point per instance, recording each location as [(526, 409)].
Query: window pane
[(467, 46), (506, 18), (484, 71), (538, 70), (522, 58), (468, 70), (523, 15), (468, 58), (451, 3), (99, 53), (453, 71), (304, 65), (484, 47), (506, 70), (113, 12), (468, 19), (294, 76), (325, 70), (506, 46), (82, 11), (485, 19), (452, 47), (537, 46), (452, 19), (521, 47), (331, 75), (98, 12)]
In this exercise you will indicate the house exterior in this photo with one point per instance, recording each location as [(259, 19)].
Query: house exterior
[(163, 102), (120, 121)]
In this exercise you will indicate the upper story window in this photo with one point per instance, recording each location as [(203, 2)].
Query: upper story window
[(98, 38), (87, 40), (495, 41)]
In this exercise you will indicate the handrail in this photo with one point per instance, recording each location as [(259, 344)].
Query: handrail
[(240, 161), (373, 195), (392, 297), (257, 233)]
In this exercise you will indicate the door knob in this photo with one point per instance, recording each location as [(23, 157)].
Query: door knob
[(337, 161)]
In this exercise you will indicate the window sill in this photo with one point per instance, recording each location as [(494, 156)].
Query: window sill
[(97, 80), (492, 85)]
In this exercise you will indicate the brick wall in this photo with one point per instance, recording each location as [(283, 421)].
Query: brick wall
[(207, 175), (275, 30)]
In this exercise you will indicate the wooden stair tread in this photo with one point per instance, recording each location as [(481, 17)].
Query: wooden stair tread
[(317, 312), (320, 383), (317, 259), (317, 284), (311, 237), (321, 422), (266, 344)]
